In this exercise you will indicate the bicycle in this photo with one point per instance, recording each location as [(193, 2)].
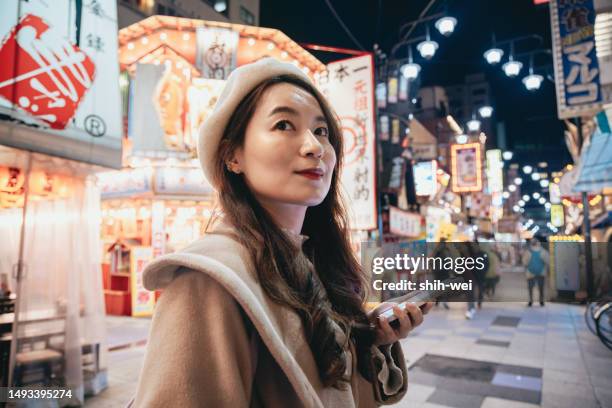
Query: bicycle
[(598, 317)]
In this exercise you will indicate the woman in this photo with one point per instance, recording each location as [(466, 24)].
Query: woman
[(267, 308)]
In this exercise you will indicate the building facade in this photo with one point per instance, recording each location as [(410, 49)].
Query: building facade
[(465, 99), (230, 11)]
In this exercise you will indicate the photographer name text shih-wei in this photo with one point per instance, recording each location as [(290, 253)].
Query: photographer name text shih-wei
[(412, 264)]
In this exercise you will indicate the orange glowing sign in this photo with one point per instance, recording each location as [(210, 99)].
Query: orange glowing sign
[(466, 167)]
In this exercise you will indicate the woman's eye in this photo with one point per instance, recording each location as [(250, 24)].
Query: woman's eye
[(284, 125), (322, 131)]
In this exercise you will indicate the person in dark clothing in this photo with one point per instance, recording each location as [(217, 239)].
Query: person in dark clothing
[(536, 262)]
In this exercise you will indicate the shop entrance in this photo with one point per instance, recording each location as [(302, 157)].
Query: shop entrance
[(51, 307)]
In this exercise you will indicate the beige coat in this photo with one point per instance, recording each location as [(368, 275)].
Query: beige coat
[(217, 340)]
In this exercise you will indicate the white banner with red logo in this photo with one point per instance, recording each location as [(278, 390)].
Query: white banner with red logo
[(60, 73)]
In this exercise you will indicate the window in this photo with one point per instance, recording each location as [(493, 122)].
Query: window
[(479, 91), (165, 10), (246, 16), (220, 6)]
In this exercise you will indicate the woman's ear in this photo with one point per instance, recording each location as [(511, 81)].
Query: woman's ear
[(233, 165)]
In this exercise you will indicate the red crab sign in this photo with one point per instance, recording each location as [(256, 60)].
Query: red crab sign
[(42, 73)]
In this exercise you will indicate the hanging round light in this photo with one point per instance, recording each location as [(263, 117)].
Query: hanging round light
[(486, 112), (446, 25), (494, 55), (527, 169), (518, 181), (461, 139), (533, 82), (410, 70), (427, 48), (512, 188), (220, 6), (512, 68), (473, 125), (544, 183), (507, 155)]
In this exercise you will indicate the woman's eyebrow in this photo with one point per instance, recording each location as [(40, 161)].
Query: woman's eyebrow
[(287, 109), (283, 109)]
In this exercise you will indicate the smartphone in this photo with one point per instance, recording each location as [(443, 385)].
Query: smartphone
[(419, 297)]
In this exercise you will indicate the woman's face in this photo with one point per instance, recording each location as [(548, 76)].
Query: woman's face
[(287, 157)]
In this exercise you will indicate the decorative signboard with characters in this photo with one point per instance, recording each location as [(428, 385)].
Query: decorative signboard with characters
[(59, 78), (349, 86)]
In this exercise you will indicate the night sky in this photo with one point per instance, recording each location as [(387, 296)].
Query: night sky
[(532, 129)]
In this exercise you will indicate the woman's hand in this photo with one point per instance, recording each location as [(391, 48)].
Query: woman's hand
[(409, 318)]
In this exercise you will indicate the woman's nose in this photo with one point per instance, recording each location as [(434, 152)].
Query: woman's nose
[(312, 146)]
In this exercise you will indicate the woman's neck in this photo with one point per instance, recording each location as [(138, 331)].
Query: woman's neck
[(287, 216)]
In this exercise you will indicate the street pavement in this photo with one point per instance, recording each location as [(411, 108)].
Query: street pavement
[(508, 355)]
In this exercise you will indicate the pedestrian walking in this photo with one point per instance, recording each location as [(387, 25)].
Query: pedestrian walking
[(476, 276), (491, 277), (536, 262), (442, 251)]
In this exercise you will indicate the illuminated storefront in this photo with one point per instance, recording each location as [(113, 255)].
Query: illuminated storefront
[(59, 125), (172, 72)]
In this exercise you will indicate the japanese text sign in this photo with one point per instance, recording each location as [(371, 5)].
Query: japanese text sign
[(577, 73), (350, 91), (404, 223)]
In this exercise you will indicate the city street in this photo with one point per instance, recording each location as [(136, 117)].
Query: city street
[(507, 356), (261, 160)]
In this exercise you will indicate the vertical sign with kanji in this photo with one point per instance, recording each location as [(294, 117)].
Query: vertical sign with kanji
[(143, 301), (577, 72), (349, 87)]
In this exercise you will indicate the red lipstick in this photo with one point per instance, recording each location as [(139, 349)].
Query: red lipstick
[(313, 174)]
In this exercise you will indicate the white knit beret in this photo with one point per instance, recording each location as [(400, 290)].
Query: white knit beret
[(239, 83)]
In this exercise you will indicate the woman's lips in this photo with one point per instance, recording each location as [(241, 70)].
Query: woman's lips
[(313, 174)]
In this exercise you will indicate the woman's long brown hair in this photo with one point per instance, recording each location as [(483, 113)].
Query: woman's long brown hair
[(324, 284)]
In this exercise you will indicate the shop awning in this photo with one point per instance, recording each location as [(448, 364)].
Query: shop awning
[(603, 221), (595, 171)]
